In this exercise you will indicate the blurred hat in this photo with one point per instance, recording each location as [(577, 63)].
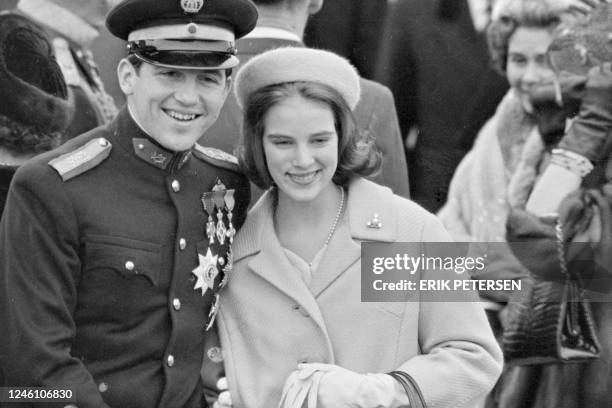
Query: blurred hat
[(583, 43), (197, 34), (298, 64), (32, 88)]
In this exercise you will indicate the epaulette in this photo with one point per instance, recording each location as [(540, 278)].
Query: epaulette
[(66, 62), (216, 157), (82, 159)]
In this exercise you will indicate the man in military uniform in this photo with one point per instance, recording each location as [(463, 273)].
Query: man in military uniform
[(72, 25), (114, 247)]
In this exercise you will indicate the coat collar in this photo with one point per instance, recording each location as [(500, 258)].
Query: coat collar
[(365, 199)]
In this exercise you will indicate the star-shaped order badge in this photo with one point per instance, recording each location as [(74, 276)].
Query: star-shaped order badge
[(206, 271)]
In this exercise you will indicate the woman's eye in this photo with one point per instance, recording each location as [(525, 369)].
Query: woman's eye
[(282, 142), (518, 59)]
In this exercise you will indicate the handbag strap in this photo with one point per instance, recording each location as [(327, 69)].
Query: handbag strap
[(574, 286), (411, 387)]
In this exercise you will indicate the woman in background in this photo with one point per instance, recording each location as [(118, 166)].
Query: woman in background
[(510, 151), (573, 197), (292, 323)]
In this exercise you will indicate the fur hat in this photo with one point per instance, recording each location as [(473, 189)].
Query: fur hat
[(297, 64), (32, 88)]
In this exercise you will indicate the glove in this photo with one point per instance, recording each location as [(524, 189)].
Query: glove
[(331, 386), (588, 134), (550, 112)]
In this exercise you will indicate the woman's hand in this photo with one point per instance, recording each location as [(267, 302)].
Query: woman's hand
[(331, 386)]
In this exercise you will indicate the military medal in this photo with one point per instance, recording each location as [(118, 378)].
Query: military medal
[(206, 272), (215, 266), (229, 203), (218, 197), (209, 206)]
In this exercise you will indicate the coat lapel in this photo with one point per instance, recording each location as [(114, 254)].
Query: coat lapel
[(258, 238), (365, 199)]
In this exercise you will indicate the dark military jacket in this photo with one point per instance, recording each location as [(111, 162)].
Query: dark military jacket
[(96, 283)]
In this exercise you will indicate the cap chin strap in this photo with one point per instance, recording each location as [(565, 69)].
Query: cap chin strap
[(230, 62)]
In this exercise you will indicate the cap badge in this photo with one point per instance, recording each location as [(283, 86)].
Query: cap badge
[(192, 6)]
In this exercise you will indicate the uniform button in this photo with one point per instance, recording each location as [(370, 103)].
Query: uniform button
[(140, 146), (129, 265), (170, 360), (182, 244), (176, 186), (103, 142), (176, 304), (103, 387)]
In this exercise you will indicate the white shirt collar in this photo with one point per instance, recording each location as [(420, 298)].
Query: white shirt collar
[(273, 32)]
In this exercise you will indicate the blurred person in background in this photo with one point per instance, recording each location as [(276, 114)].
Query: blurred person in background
[(351, 28), (434, 58), (478, 200), (500, 169), (573, 196), (72, 26), (35, 110), (281, 23)]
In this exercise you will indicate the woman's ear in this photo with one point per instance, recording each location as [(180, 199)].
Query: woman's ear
[(126, 74)]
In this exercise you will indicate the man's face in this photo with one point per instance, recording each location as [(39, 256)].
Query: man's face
[(174, 106)]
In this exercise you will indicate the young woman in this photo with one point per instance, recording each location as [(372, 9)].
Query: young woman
[(292, 323)]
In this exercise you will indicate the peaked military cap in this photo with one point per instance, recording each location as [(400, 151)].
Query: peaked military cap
[(198, 34)]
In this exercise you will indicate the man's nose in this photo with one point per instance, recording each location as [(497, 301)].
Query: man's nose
[(186, 93)]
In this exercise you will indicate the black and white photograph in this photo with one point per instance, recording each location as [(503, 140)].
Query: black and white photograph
[(306, 203)]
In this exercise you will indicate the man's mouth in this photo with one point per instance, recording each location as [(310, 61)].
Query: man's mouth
[(182, 117)]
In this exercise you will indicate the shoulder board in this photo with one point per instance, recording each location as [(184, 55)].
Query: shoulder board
[(216, 157), (66, 62), (84, 158)]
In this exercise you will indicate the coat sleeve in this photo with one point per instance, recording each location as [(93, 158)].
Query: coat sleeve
[(378, 118), (460, 360), (39, 276)]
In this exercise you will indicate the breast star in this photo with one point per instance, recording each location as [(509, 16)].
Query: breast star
[(206, 272)]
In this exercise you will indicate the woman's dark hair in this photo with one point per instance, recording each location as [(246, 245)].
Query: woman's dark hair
[(357, 154), (514, 14)]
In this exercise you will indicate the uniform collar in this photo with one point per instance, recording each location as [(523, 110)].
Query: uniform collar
[(134, 139)]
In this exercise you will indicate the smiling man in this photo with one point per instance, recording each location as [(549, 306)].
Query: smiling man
[(113, 248)]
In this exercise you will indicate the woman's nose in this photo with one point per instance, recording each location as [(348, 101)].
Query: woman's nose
[(303, 157)]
